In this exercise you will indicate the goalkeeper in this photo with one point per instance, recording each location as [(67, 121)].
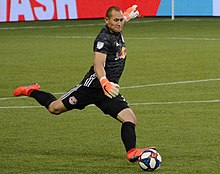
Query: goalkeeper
[(100, 85)]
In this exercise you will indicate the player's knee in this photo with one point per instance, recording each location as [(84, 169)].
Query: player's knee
[(54, 111), (127, 115), (134, 120), (54, 108), (131, 119)]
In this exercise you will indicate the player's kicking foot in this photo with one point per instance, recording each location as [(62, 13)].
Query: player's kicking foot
[(134, 154), (26, 90)]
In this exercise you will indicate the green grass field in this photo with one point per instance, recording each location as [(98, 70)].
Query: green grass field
[(176, 65)]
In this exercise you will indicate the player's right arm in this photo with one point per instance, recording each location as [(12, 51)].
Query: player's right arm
[(131, 13), (110, 89), (99, 63)]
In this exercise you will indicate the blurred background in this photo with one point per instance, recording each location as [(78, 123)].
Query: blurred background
[(29, 10)]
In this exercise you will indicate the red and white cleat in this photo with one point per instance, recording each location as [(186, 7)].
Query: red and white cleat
[(134, 154), (26, 90)]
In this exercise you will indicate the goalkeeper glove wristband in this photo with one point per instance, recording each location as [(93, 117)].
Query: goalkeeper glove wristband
[(131, 13), (110, 89)]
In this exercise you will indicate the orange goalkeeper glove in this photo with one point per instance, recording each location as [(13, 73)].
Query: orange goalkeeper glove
[(131, 13), (110, 89)]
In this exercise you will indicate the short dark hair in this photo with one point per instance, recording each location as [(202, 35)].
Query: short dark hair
[(110, 9)]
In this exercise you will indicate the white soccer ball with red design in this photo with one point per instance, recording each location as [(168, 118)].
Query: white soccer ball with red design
[(150, 160)]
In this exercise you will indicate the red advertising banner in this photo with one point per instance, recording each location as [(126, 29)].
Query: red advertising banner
[(97, 8), (30, 10)]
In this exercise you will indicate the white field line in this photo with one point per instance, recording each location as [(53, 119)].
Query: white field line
[(20, 107), (133, 87), (131, 104), (175, 38), (102, 24), (177, 102), (49, 27), (128, 38), (71, 26), (171, 83), (138, 86), (61, 37)]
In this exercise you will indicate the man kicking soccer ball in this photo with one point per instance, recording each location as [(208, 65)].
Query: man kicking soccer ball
[(100, 84)]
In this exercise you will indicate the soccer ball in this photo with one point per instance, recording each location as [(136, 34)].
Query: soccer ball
[(150, 160)]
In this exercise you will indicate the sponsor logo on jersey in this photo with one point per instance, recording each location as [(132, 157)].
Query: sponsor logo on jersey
[(122, 54)]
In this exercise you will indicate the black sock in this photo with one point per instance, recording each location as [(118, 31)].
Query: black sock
[(44, 98), (128, 135)]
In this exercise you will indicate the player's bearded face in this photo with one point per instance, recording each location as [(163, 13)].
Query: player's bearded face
[(116, 22)]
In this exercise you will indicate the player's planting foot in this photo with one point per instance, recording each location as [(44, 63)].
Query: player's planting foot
[(26, 90), (134, 154)]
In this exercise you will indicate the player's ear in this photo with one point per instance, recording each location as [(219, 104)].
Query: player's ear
[(106, 20)]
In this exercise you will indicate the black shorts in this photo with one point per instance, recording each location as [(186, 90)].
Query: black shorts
[(80, 96)]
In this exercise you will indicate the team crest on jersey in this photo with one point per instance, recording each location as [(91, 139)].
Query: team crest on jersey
[(122, 54), (72, 100), (99, 45)]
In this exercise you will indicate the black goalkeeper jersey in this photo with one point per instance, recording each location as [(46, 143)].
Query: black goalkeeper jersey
[(111, 44)]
